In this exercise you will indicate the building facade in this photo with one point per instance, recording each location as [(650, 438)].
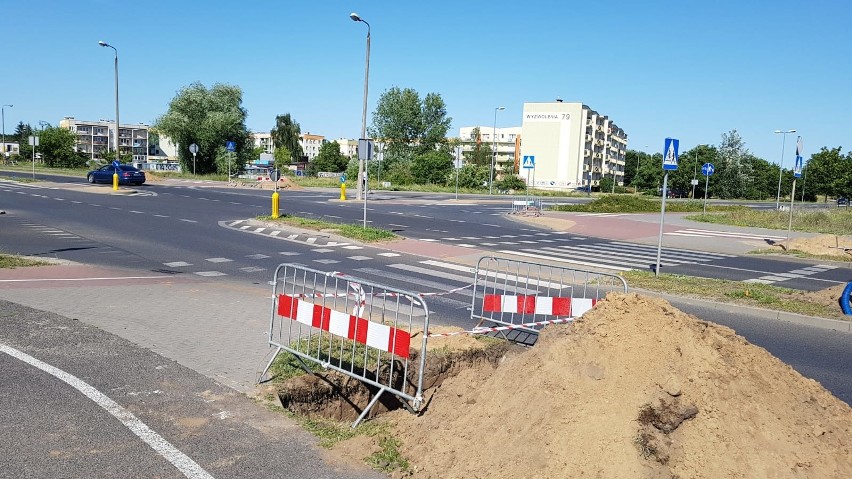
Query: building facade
[(311, 145), (506, 142), (348, 147), (263, 140), (95, 138), (572, 145)]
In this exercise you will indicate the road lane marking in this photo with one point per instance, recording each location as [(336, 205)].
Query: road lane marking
[(35, 280), (181, 461)]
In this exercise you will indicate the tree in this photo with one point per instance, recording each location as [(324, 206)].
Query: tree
[(473, 176), (283, 157), (329, 158), (432, 167), (734, 171), (826, 175), (21, 136), (408, 125), (208, 118), (56, 146), (480, 154), (286, 134)]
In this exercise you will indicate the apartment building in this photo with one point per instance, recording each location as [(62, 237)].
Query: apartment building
[(95, 138), (263, 140), (348, 147), (505, 141), (573, 145), (311, 145)]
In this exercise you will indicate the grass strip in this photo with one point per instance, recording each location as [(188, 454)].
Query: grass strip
[(8, 261), (639, 204), (735, 292), (829, 221), (366, 235)]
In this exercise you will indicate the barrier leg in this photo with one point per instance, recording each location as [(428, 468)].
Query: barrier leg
[(367, 409)]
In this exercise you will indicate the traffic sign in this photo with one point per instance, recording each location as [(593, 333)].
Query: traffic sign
[(231, 145), (529, 162), (365, 149), (343, 178), (275, 175), (116, 163), (797, 170), (193, 148), (670, 154), (707, 169)]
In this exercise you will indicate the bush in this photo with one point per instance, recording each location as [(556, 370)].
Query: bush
[(510, 182)]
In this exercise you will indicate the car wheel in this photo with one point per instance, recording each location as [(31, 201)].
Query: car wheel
[(91, 178)]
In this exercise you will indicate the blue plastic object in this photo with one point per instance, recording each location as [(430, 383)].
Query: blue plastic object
[(844, 299)]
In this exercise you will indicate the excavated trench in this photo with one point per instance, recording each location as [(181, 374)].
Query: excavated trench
[(337, 396)]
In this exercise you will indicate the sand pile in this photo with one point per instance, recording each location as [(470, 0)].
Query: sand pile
[(825, 245), (635, 389)]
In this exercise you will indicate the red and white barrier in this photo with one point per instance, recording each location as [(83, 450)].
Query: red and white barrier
[(556, 306), (374, 335)]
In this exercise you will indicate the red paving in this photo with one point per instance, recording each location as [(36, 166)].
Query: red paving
[(615, 227)]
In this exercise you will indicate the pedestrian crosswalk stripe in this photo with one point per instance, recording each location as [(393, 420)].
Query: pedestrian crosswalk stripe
[(727, 234), (613, 257), (565, 260), (702, 253), (607, 251)]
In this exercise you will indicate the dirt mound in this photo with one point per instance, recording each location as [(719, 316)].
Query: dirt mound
[(634, 389), (825, 245)]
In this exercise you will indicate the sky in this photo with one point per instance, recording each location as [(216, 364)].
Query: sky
[(691, 70)]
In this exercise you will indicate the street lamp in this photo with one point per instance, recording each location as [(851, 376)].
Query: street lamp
[(781, 165), (105, 44), (355, 18), (3, 114), (494, 142)]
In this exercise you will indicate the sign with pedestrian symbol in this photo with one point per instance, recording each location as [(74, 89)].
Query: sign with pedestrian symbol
[(707, 169), (529, 162), (231, 145), (670, 154)]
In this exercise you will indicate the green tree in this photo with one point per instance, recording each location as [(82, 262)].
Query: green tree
[(431, 167), (22, 136), (283, 157), (735, 173), (56, 146), (329, 158), (286, 134), (480, 154), (208, 118), (408, 125), (472, 176), (826, 175)]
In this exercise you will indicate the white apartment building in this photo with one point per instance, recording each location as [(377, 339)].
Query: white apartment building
[(506, 141), (263, 140), (573, 145), (311, 145), (348, 147), (97, 137)]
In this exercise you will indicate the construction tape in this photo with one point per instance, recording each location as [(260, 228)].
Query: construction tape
[(502, 328)]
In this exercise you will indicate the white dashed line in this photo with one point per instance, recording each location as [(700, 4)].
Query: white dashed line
[(218, 260)]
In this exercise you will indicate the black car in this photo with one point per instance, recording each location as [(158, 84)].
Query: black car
[(842, 201), (127, 175)]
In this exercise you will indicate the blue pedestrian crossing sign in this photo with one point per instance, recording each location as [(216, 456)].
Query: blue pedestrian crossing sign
[(231, 145), (670, 154), (529, 162), (797, 170), (707, 169)]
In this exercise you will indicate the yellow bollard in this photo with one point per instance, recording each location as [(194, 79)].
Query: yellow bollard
[(275, 202), (343, 192), (115, 181)]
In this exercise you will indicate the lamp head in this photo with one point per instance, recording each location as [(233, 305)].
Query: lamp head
[(103, 43), (500, 108), (354, 16)]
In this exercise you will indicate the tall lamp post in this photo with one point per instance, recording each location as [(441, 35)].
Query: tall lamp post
[(355, 18), (781, 165), (117, 123), (494, 152), (3, 114)]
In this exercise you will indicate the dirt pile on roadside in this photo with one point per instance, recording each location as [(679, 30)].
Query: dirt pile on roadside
[(634, 389), (825, 245)]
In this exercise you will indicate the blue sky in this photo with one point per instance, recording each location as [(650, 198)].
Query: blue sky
[(686, 69)]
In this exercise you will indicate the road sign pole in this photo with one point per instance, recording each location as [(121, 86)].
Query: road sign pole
[(662, 221), (706, 180), (790, 222)]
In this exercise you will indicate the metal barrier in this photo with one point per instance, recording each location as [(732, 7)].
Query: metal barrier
[(523, 297), (352, 326), (526, 205)]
